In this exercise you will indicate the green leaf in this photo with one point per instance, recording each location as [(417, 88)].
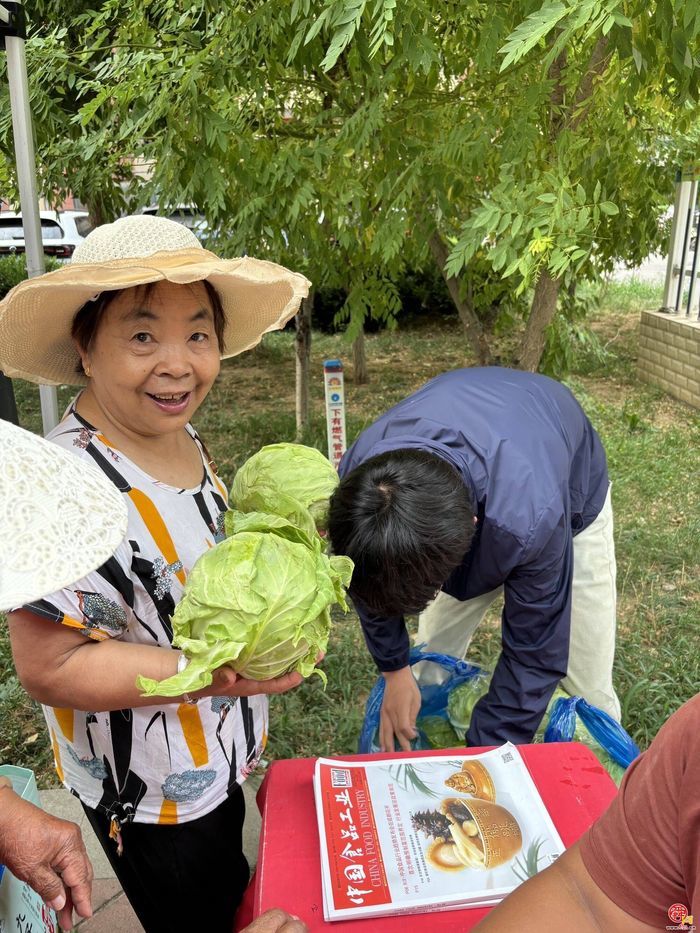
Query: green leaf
[(534, 28), (316, 27), (621, 19), (608, 207), (638, 59)]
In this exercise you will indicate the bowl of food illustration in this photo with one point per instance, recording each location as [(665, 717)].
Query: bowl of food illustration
[(473, 779), (473, 833)]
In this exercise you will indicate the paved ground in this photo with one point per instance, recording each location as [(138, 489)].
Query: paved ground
[(111, 910)]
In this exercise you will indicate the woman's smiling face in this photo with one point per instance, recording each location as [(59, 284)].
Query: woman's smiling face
[(154, 358)]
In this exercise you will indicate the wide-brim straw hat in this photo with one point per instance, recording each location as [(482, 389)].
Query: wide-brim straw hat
[(36, 315), (60, 518)]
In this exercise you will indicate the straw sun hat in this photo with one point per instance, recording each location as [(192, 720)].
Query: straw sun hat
[(60, 517), (36, 315)]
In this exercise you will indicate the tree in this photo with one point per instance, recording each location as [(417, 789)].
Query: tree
[(537, 125), (520, 146)]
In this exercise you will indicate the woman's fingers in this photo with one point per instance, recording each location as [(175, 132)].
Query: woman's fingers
[(245, 687)]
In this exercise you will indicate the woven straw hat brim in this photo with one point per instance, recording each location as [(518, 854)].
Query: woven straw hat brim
[(61, 517), (36, 316)]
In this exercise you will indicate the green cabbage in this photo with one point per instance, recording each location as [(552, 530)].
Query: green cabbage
[(259, 601), (438, 732), (290, 480), (272, 524), (463, 699)]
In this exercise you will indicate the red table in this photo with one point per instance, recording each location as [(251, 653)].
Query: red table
[(575, 788)]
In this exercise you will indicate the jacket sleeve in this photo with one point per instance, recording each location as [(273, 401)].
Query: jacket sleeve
[(535, 638), (386, 638)]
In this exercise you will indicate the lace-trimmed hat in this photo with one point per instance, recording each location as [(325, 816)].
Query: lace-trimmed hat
[(36, 315), (60, 517)]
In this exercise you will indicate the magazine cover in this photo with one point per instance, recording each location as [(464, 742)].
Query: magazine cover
[(428, 833)]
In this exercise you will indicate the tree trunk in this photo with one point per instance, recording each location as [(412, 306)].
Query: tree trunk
[(542, 311), (544, 301), (359, 360), (467, 315), (302, 345), (95, 212)]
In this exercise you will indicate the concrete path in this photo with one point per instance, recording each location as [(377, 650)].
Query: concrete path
[(111, 910)]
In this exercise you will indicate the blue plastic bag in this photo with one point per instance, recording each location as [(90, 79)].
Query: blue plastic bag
[(607, 732), (433, 697), (601, 733)]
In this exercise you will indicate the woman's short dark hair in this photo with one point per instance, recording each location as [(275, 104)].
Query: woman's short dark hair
[(88, 318), (406, 519)]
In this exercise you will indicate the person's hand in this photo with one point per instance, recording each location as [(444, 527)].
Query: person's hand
[(400, 708), (276, 921), (228, 683), (47, 853)]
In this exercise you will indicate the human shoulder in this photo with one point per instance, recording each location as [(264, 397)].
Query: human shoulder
[(680, 734), (74, 434)]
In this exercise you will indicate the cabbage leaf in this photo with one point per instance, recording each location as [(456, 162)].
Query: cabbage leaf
[(258, 601)]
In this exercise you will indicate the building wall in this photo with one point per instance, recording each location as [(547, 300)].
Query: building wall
[(669, 354)]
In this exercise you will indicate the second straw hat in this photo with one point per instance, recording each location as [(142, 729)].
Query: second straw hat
[(60, 517)]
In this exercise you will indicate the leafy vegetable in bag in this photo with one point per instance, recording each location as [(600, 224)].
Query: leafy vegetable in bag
[(463, 699), (438, 733), (286, 479), (258, 601)]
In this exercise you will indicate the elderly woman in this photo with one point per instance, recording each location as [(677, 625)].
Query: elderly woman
[(141, 318)]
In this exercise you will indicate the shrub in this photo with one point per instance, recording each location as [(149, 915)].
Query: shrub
[(13, 270)]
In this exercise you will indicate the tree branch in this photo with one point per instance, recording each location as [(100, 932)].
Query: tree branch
[(573, 116), (467, 315)]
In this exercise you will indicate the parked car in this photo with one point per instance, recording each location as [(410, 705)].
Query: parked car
[(61, 232), (186, 215)]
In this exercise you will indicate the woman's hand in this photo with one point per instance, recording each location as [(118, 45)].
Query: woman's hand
[(400, 709), (228, 683)]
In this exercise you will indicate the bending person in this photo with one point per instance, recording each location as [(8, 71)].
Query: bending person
[(485, 481), (141, 318)]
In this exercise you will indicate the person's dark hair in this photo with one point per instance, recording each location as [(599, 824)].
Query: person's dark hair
[(88, 318), (406, 520)]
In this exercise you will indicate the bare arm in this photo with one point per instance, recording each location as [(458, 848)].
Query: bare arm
[(61, 667), (563, 897)]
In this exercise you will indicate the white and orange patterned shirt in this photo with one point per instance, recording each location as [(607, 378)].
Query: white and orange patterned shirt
[(170, 762)]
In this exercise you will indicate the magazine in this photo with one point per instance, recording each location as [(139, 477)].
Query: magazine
[(416, 834)]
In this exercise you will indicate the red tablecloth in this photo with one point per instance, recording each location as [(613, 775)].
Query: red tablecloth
[(574, 787)]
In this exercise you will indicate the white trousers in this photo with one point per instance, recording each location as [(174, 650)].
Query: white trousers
[(447, 625)]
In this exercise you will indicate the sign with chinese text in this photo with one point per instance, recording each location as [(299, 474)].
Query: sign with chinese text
[(335, 409)]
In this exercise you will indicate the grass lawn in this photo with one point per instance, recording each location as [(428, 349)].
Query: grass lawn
[(653, 446)]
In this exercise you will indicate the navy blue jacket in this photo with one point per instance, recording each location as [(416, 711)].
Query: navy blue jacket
[(537, 473)]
